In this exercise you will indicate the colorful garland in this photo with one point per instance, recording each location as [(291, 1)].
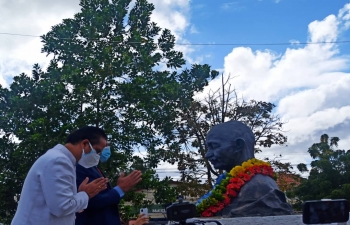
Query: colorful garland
[(228, 185)]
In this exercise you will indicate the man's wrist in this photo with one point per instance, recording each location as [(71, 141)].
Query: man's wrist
[(119, 190), (87, 194)]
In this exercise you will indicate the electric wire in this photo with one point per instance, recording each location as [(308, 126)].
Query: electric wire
[(200, 44)]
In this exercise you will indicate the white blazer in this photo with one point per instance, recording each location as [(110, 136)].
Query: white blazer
[(49, 194)]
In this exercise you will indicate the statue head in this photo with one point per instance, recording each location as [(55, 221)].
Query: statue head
[(229, 144)]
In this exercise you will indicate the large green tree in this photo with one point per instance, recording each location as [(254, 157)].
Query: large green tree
[(31, 124), (330, 172), (113, 68)]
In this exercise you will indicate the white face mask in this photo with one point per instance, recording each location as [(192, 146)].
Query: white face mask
[(89, 160)]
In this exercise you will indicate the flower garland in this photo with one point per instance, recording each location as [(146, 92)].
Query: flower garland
[(228, 185)]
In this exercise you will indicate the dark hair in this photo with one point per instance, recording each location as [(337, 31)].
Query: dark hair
[(93, 134)]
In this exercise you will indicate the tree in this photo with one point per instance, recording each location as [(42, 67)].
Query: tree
[(329, 175), (286, 178), (163, 192), (109, 69), (187, 147), (28, 113), (106, 71)]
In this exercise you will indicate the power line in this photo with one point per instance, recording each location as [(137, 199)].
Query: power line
[(261, 44), (204, 44), (24, 35), (180, 171), (283, 154)]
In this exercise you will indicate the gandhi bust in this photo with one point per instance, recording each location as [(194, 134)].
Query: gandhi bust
[(230, 144)]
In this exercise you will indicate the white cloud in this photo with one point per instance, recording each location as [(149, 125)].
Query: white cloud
[(325, 30), (175, 16), (296, 42), (306, 103), (301, 128), (232, 6), (228, 5), (19, 53), (166, 169), (193, 30), (310, 85)]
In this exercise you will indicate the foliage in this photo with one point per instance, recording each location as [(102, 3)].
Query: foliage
[(286, 178), (110, 68), (302, 167), (288, 182), (126, 211), (164, 192), (330, 172)]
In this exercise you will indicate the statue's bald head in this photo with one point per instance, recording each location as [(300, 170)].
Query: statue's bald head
[(230, 144)]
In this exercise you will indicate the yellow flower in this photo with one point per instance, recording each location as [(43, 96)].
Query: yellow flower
[(258, 162), (239, 169), (233, 173), (236, 170), (247, 164), (253, 161)]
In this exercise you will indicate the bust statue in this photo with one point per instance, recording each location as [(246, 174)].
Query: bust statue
[(230, 144)]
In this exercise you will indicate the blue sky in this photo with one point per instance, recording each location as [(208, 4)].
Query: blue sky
[(253, 21), (310, 84)]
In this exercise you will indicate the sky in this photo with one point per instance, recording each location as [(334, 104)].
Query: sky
[(261, 42)]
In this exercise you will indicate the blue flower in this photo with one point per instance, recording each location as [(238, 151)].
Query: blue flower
[(220, 178), (218, 181)]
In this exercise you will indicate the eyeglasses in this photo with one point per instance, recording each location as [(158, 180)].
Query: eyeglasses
[(92, 149)]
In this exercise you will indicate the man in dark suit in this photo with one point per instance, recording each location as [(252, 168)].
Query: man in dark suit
[(103, 208)]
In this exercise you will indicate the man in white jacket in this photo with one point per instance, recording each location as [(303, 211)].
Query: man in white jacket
[(49, 194)]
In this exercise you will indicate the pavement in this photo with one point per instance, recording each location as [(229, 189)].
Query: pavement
[(267, 220)]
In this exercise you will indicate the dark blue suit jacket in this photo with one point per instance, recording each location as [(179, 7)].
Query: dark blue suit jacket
[(103, 208)]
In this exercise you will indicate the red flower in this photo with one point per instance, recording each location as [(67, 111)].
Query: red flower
[(220, 206), (270, 171), (256, 169), (237, 181), (231, 193), (214, 209), (267, 170), (234, 187), (207, 213), (227, 200), (234, 180), (251, 171), (211, 208), (244, 176)]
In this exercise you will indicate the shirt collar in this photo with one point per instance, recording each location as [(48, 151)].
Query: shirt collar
[(65, 151)]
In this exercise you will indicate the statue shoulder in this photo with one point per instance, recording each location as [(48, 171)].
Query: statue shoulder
[(259, 185)]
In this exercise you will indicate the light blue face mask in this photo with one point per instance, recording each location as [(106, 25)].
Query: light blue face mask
[(105, 154), (89, 159)]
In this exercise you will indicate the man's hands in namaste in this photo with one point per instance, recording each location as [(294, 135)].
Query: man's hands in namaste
[(94, 187), (127, 182)]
